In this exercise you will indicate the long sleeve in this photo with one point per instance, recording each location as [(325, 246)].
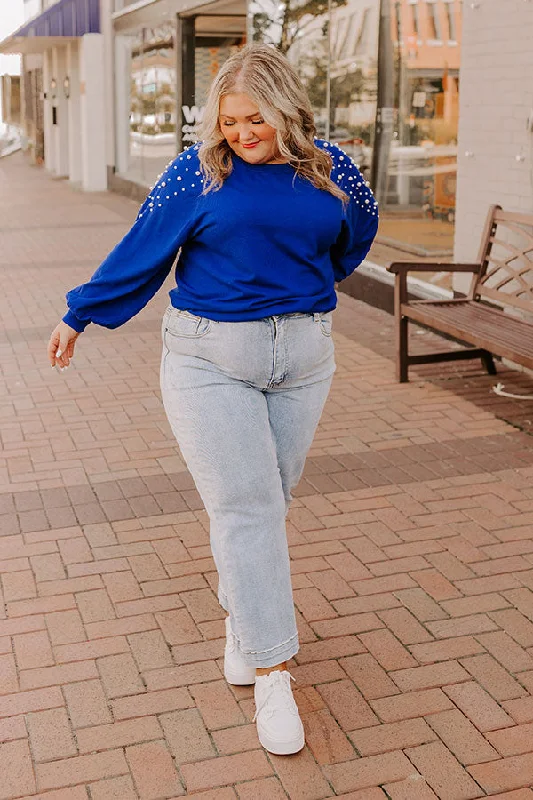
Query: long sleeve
[(360, 223), (137, 267)]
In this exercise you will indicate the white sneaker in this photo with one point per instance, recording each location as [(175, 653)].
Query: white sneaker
[(236, 671), (279, 726)]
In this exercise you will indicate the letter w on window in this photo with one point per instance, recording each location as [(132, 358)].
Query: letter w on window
[(193, 114)]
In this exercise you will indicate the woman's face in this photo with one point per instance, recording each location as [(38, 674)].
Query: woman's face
[(245, 130)]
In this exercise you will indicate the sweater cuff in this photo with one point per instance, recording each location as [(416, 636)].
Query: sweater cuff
[(73, 322)]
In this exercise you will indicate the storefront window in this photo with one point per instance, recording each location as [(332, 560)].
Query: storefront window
[(151, 101), (418, 201), (335, 53), (207, 41), (353, 77), (157, 116), (382, 76), (389, 98)]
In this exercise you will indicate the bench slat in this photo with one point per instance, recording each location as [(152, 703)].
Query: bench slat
[(475, 318), (479, 325)]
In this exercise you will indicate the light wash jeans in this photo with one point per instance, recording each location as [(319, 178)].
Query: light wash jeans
[(244, 400)]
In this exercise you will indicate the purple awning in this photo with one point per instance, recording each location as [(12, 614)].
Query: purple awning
[(65, 18)]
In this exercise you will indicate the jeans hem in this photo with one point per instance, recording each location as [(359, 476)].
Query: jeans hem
[(272, 656), (264, 658)]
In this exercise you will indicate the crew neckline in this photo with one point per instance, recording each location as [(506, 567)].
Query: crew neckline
[(247, 163)]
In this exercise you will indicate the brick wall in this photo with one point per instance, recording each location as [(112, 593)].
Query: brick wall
[(496, 98)]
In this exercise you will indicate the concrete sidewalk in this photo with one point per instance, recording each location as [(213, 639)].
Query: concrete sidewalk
[(411, 540)]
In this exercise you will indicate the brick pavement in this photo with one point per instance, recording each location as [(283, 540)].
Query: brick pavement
[(411, 539)]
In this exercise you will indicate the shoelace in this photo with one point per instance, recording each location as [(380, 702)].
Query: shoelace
[(278, 682)]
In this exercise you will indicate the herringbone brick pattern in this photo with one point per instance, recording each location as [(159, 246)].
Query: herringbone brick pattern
[(411, 539)]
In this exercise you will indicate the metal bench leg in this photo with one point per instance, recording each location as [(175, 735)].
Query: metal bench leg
[(488, 362)]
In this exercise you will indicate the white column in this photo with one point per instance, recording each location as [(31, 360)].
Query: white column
[(122, 102), (60, 129), (107, 7), (93, 117), (74, 114), (49, 150)]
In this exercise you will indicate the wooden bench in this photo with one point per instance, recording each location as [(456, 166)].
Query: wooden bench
[(495, 317)]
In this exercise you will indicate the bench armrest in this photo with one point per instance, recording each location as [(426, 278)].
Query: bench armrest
[(402, 267)]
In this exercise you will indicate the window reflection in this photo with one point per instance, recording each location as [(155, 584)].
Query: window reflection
[(146, 96), (415, 19), (335, 55), (152, 102), (418, 206), (363, 36), (207, 42), (413, 150), (354, 81), (209, 54), (352, 55), (434, 28), (450, 14)]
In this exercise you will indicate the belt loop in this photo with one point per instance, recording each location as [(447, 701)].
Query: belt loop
[(316, 317)]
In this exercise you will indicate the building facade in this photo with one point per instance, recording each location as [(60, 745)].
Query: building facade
[(113, 89), (382, 75), (411, 89), (67, 88)]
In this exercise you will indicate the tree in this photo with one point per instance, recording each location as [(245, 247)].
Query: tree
[(283, 23)]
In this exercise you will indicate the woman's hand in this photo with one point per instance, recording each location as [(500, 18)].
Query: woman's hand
[(61, 345)]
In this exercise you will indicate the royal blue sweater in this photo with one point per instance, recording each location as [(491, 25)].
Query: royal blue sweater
[(266, 243)]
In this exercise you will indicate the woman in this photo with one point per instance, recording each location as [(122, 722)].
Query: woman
[(266, 219)]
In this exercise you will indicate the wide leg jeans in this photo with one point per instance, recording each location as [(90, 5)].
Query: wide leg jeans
[(244, 400)]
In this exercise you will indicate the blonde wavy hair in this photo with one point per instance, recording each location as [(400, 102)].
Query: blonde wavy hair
[(266, 76)]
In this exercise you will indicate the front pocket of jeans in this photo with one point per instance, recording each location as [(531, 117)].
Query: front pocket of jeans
[(325, 325), (187, 326)]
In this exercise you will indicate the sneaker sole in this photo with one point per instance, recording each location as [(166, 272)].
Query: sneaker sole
[(282, 748), (238, 680)]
